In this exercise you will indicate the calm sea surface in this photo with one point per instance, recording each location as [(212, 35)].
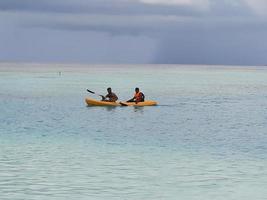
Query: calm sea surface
[(207, 138)]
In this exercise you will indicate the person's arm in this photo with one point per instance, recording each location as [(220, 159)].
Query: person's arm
[(116, 97), (131, 100), (104, 97), (143, 97)]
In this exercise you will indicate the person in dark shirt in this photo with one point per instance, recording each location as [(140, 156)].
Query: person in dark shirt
[(111, 96)]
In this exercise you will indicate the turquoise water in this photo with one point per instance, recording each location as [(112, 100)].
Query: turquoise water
[(207, 139)]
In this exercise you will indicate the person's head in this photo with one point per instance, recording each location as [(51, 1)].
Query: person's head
[(109, 90), (137, 90)]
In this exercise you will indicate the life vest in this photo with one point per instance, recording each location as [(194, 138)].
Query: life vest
[(139, 96)]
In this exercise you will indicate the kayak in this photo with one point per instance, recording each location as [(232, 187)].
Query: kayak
[(93, 102)]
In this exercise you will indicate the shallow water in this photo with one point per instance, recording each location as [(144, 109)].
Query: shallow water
[(207, 138)]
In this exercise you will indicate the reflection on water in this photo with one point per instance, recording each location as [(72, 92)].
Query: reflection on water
[(139, 109), (110, 108), (107, 108)]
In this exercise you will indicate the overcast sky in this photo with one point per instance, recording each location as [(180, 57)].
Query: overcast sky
[(134, 31)]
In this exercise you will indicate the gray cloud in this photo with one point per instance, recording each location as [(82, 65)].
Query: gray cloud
[(114, 7), (118, 16), (214, 46), (221, 32)]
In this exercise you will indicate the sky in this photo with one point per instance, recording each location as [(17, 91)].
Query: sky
[(223, 32)]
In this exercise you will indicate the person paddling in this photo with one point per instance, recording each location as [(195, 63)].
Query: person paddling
[(138, 96), (111, 96)]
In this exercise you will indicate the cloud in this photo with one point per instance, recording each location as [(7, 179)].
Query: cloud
[(106, 17), (112, 7), (180, 31), (258, 6), (134, 7), (200, 4), (240, 45), (175, 2), (113, 24)]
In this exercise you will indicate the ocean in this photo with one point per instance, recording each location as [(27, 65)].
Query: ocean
[(207, 138)]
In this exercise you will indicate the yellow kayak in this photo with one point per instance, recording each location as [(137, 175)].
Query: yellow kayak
[(93, 102)]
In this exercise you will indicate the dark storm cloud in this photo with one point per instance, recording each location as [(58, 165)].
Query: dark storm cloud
[(239, 45), (187, 31), (116, 16), (114, 7), (120, 16), (129, 17)]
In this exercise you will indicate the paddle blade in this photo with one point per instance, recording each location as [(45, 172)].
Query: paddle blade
[(90, 91), (123, 104)]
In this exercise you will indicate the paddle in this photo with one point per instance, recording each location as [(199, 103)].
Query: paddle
[(123, 104), (95, 93)]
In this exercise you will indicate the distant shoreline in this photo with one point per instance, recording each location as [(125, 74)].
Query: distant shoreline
[(72, 67)]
